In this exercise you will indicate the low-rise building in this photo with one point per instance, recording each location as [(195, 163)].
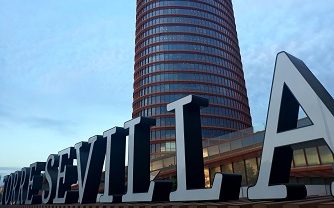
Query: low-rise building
[(240, 152)]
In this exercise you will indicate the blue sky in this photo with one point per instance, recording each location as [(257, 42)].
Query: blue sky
[(66, 67)]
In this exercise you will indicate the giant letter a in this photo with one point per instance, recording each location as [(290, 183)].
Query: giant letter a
[(293, 85)]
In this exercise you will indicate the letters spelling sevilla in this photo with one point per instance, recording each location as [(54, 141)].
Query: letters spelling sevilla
[(293, 85)]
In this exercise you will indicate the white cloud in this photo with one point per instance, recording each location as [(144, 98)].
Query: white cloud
[(300, 27)]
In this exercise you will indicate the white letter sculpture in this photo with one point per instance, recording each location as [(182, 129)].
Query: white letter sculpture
[(189, 156), (293, 85), (140, 188)]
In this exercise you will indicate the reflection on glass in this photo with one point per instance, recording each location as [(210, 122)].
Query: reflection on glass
[(205, 152), (251, 171), (326, 155), (227, 168), (213, 150), (225, 147), (172, 146), (157, 165), (213, 171), (163, 147), (239, 168), (169, 162), (207, 177), (299, 157), (236, 144), (312, 156)]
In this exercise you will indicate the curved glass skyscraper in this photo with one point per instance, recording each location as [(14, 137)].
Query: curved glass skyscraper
[(188, 47)]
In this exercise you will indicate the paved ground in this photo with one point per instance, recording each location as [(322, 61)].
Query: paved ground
[(316, 202)]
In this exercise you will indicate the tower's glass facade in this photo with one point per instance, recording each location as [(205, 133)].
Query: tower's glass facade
[(188, 47)]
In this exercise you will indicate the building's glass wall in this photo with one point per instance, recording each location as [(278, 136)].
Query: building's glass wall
[(251, 170), (304, 155), (188, 47), (312, 156), (299, 158), (239, 168), (326, 155), (227, 168), (207, 177)]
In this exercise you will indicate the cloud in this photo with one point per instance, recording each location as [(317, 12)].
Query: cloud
[(82, 54), (300, 27), (59, 126)]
